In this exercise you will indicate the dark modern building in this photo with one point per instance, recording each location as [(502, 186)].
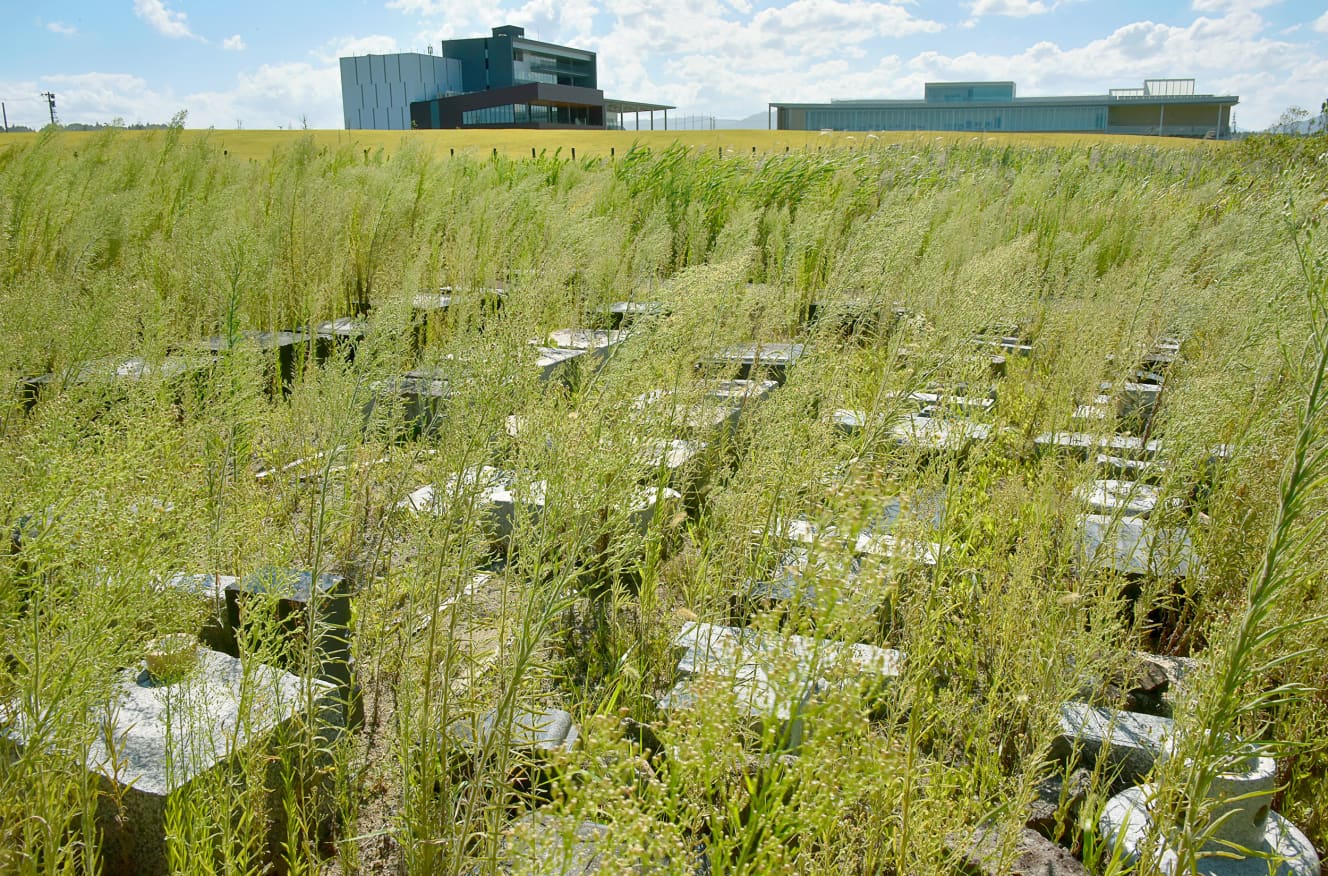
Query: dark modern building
[(500, 81), (1162, 107)]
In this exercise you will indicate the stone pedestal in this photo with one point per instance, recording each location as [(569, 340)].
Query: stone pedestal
[(1247, 836), (772, 360), (159, 739)]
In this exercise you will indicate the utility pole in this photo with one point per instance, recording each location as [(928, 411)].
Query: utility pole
[(4, 115), (50, 104)]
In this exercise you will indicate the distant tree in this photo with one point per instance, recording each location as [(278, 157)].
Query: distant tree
[(1323, 116), (1292, 120)]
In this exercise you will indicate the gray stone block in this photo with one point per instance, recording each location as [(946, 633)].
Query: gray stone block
[(597, 342), (1084, 443), (524, 730), (771, 359), (1120, 498), (774, 677), (624, 313), (1135, 547), (1130, 742), (158, 739)]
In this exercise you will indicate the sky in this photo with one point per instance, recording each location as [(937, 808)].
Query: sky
[(273, 63)]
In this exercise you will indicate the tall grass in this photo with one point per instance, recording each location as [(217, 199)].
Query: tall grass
[(143, 247)]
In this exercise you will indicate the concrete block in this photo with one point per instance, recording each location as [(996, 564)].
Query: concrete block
[(496, 492), (1135, 547), (423, 395), (599, 343), (301, 601), (1083, 443), (540, 733), (937, 433), (774, 677), (555, 363), (338, 336), (288, 350), (771, 359), (1130, 742), (158, 739), (1119, 498)]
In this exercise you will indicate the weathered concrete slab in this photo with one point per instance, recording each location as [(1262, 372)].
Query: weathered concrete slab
[(301, 599), (1083, 443), (770, 359), (339, 336), (940, 401), (772, 676), (495, 491), (158, 739), (1135, 547), (599, 343), (554, 363), (938, 433), (1120, 498), (423, 395), (523, 730), (1130, 742)]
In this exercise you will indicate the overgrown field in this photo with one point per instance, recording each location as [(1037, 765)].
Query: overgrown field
[(957, 300)]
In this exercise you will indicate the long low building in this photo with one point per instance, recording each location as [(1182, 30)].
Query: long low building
[(1162, 107)]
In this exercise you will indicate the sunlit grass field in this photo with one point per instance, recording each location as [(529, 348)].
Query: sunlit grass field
[(259, 145), (958, 299)]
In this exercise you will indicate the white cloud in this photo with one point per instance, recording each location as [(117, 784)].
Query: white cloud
[(1321, 23), (164, 21), (61, 28), (1231, 5), (233, 43), (345, 47), (1010, 8)]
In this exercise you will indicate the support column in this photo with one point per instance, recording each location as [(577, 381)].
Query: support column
[(666, 120)]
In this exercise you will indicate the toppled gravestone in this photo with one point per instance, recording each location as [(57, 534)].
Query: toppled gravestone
[(159, 738)]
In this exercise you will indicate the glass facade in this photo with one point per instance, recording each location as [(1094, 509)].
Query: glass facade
[(552, 68), (965, 118), (525, 114), (490, 115)]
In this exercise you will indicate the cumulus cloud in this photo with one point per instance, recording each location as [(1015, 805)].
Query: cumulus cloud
[(1010, 8), (345, 47), (233, 43), (1230, 5), (1321, 23), (162, 19), (61, 28)]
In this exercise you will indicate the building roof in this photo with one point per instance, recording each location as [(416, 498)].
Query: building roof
[(615, 105)]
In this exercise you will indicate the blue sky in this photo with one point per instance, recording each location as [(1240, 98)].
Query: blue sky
[(274, 64)]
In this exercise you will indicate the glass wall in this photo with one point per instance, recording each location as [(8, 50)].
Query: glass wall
[(968, 118), (490, 115), (552, 68), (523, 114)]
